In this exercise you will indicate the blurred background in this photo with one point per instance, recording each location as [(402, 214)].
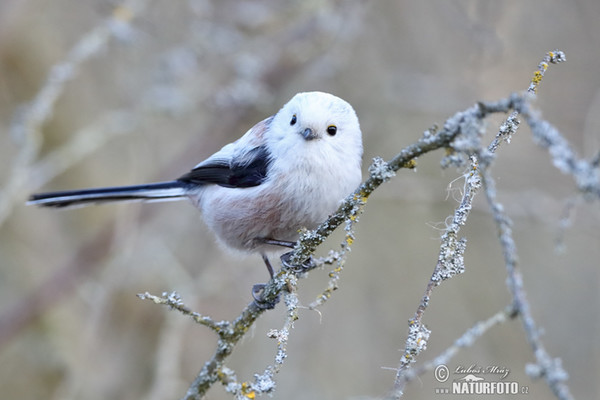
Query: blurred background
[(137, 92)]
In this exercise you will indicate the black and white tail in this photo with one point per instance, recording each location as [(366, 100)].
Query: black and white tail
[(162, 191)]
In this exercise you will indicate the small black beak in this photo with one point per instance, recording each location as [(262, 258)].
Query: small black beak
[(309, 134)]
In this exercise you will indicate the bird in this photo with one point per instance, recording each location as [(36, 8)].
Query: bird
[(289, 171)]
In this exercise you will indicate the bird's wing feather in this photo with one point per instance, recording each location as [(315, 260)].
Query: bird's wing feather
[(235, 173), (243, 163)]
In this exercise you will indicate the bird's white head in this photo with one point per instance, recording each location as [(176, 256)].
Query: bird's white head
[(319, 124)]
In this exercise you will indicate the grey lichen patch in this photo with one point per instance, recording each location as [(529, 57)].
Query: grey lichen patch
[(381, 170)]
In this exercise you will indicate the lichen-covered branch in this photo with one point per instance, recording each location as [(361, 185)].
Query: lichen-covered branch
[(465, 340), (450, 260), (450, 263), (545, 367), (173, 300)]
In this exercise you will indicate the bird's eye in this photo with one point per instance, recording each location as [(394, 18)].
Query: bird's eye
[(294, 119), (332, 130)]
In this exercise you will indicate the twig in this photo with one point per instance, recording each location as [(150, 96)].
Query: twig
[(467, 339), (450, 263), (264, 383), (451, 256), (214, 369), (173, 300), (552, 57), (585, 172), (546, 367)]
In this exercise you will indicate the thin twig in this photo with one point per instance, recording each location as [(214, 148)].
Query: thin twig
[(450, 263), (467, 339), (550, 369), (173, 300)]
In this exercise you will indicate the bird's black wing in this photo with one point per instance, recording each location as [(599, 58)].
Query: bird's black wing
[(247, 171)]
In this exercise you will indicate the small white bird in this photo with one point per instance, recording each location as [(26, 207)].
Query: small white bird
[(289, 171)]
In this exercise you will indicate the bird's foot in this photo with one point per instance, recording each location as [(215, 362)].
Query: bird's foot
[(258, 292), (308, 264)]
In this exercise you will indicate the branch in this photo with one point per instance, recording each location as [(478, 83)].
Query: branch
[(466, 340), (586, 176), (546, 367), (450, 260), (173, 301), (450, 263)]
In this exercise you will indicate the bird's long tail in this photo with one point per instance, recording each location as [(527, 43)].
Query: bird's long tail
[(162, 191)]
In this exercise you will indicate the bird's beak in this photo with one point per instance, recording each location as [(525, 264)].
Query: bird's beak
[(309, 134)]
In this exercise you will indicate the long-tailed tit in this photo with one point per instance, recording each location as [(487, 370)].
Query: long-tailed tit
[(289, 171)]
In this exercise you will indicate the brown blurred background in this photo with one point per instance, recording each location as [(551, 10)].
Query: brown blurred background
[(175, 81)]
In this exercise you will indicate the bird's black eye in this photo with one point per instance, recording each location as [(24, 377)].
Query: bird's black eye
[(332, 130), (294, 119)]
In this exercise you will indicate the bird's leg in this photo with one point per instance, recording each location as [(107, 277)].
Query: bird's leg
[(285, 258), (276, 242), (268, 264), (258, 289), (273, 242)]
